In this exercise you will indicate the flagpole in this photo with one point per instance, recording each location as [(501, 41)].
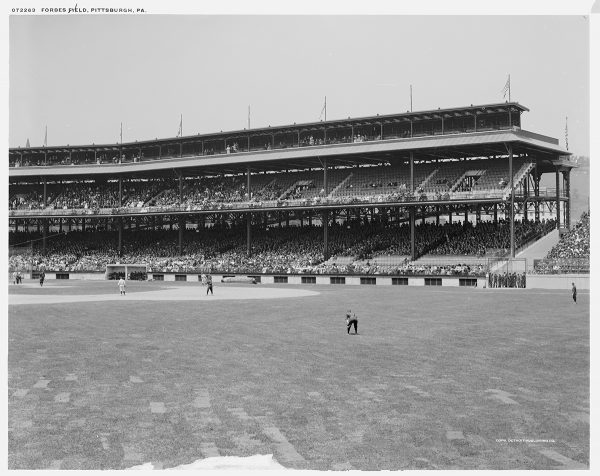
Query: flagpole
[(45, 148), (325, 108), (567, 132), (509, 88), (121, 133)]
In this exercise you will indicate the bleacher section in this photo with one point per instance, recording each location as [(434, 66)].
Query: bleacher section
[(290, 249), (433, 181)]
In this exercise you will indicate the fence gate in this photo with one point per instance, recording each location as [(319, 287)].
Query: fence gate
[(507, 265)]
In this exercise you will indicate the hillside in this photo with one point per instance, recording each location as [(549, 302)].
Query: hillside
[(580, 186)]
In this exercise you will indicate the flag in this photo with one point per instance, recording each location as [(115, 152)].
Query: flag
[(180, 132), (506, 88), (27, 144), (324, 110), (46, 137)]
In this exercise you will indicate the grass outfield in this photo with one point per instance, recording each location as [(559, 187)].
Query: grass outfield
[(436, 378)]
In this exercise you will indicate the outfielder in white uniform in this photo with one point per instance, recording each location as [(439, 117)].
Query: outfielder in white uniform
[(122, 286)]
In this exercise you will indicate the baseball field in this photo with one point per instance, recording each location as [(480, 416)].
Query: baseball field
[(436, 378)]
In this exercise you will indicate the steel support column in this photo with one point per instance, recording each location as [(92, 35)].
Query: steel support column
[(248, 215), (181, 227), (568, 195), (557, 173), (325, 220), (412, 175), (325, 184), (180, 189), (512, 201), (413, 254), (45, 235), (411, 210), (536, 192), (525, 197), (120, 243)]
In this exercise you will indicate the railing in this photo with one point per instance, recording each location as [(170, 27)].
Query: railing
[(232, 206)]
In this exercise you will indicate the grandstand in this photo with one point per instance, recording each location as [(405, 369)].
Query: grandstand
[(168, 374), (369, 195)]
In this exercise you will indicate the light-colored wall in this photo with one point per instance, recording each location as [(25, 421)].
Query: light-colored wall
[(558, 281), (416, 281), (450, 282)]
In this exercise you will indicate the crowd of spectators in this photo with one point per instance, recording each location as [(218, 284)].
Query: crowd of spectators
[(218, 193), (489, 237), (87, 196), (575, 243), (223, 249), (572, 252), (30, 200), (407, 268)]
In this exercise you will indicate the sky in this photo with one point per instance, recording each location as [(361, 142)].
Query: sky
[(82, 76)]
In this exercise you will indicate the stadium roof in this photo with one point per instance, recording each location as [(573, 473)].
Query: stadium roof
[(475, 144), (408, 116)]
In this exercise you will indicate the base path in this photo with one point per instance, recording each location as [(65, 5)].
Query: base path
[(171, 294)]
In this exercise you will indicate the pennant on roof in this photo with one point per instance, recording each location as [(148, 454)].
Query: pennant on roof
[(506, 88)]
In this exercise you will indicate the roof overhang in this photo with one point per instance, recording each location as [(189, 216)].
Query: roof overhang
[(461, 145), (406, 117)]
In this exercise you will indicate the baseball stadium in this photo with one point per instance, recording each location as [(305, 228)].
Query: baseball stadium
[(447, 232)]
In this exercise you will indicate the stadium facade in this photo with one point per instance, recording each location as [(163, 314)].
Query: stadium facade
[(471, 161)]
